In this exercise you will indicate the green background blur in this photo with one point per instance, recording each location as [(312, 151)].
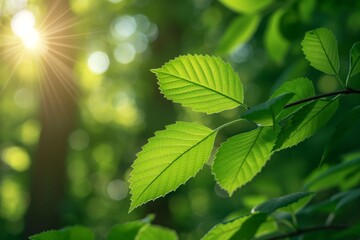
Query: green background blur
[(119, 107)]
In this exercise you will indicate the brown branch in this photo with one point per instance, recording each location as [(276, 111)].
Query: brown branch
[(341, 92), (307, 230)]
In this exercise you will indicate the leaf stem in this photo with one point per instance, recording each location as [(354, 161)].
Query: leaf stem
[(305, 230), (341, 92), (228, 124)]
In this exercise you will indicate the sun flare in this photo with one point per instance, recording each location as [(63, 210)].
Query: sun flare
[(23, 26)]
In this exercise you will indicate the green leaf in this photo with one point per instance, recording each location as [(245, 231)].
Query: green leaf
[(129, 230), (206, 84), (69, 233), (355, 59), (347, 197), (156, 233), (276, 203), (333, 176), (250, 227), (346, 124), (306, 122), (242, 156), (236, 228), (246, 6), (321, 50), (276, 44), (240, 31), (265, 114), (301, 87), (169, 159)]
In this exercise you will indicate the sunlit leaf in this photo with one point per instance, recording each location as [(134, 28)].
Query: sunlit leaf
[(355, 59), (301, 87), (265, 114), (156, 233), (276, 44), (203, 83), (306, 122), (333, 176), (168, 160), (242, 228), (69, 233), (243, 156), (240, 31), (320, 48), (277, 203), (246, 6), (129, 230), (345, 125)]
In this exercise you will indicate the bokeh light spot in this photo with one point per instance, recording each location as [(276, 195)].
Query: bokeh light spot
[(125, 53), (79, 140), (16, 158), (98, 62), (29, 132), (124, 26), (24, 98), (117, 189), (12, 200)]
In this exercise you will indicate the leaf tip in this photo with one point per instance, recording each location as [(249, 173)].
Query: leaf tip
[(154, 70)]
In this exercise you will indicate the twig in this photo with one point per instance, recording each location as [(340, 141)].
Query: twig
[(306, 230), (341, 92)]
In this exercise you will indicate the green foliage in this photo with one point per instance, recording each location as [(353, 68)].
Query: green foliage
[(333, 176), (129, 230), (320, 48), (194, 82), (156, 233), (168, 160), (228, 229), (306, 122), (291, 115), (301, 87), (354, 59), (69, 233), (266, 113), (246, 6), (344, 126), (240, 31), (276, 44), (277, 203), (243, 156)]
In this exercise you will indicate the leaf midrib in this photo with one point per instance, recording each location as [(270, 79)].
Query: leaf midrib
[(177, 158), (197, 84), (305, 123), (247, 154), (323, 48)]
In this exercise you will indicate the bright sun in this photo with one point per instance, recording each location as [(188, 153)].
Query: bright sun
[(23, 26)]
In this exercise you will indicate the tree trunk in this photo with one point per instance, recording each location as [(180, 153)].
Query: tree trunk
[(58, 107)]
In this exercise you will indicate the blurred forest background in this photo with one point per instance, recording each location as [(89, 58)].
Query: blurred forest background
[(76, 109)]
